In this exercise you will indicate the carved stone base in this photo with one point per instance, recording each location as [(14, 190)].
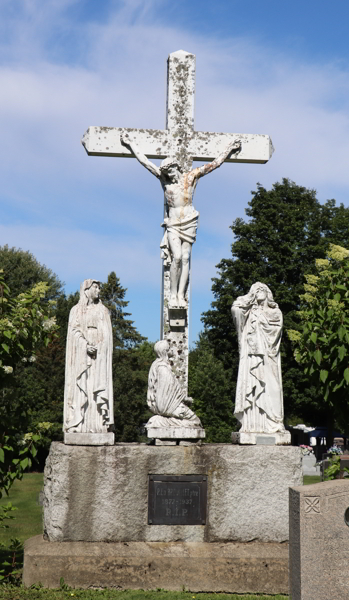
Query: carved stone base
[(89, 439), (254, 567), (100, 494), (264, 439), (176, 433)]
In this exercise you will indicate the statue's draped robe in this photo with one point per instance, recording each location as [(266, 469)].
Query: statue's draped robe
[(88, 395), (259, 399), (166, 399)]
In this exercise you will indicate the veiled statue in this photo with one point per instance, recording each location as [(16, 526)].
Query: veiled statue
[(166, 398), (259, 400), (88, 394)]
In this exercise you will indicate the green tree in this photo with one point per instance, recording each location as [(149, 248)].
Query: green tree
[(322, 344), (125, 335), (209, 387), (22, 271), (132, 358), (26, 323), (287, 229)]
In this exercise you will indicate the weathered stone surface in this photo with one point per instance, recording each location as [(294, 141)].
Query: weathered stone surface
[(90, 439), (101, 493), (319, 541), (265, 439), (176, 433), (198, 567)]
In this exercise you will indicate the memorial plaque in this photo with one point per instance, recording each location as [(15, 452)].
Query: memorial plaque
[(177, 499)]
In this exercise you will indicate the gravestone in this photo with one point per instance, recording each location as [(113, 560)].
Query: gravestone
[(309, 465), (319, 541)]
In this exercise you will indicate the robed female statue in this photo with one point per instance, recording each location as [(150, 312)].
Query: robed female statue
[(88, 394), (259, 399)]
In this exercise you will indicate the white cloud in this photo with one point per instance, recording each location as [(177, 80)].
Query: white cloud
[(59, 75)]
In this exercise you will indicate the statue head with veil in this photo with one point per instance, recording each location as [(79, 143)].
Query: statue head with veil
[(259, 398), (88, 394)]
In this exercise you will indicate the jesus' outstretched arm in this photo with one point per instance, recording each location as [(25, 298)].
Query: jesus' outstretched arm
[(233, 147), (126, 141)]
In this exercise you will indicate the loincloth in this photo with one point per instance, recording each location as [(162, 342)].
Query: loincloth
[(183, 229)]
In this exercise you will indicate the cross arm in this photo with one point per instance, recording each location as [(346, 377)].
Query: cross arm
[(105, 141), (207, 146), (157, 143)]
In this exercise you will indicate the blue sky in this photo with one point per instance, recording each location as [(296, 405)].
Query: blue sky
[(280, 68)]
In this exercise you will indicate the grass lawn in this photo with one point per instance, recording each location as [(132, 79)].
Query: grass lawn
[(27, 519), (308, 479)]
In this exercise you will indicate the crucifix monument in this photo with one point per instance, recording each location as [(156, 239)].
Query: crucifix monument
[(178, 145)]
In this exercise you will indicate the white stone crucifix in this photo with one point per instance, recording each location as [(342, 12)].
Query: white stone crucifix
[(179, 145)]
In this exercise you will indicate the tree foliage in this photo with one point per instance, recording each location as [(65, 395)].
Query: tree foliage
[(287, 229), (132, 358), (322, 344), (209, 387), (22, 271), (26, 323)]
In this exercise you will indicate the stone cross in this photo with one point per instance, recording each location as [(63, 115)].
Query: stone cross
[(184, 145)]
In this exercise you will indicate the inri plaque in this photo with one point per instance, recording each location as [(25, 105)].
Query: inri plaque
[(177, 499)]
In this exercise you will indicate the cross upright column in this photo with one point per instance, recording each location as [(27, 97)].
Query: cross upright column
[(180, 105), (180, 126)]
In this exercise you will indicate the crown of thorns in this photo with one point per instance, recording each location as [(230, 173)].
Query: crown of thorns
[(167, 163)]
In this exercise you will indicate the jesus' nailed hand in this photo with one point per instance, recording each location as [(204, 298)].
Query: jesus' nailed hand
[(181, 217)]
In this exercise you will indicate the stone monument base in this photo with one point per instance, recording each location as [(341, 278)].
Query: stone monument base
[(176, 433), (264, 439), (89, 439), (113, 517), (101, 493), (197, 567)]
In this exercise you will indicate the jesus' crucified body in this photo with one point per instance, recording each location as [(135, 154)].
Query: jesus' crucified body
[(181, 218)]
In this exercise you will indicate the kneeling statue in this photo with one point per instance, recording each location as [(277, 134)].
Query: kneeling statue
[(166, 399)]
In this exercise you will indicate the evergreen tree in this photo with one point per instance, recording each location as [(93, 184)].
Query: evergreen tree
[(132, 358), (209, 387), (287, 229), (125, 335)]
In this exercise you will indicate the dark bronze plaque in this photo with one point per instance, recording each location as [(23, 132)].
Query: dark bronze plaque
[(177, 499)]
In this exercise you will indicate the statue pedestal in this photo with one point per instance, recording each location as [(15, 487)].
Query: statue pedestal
[(102, 507), (89, 439), (263, 439), (176, 433)]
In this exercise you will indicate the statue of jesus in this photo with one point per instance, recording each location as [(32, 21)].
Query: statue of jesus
[(181, 220)]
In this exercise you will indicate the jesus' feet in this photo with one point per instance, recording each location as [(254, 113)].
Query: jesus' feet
[(173, 300), (181, 301)]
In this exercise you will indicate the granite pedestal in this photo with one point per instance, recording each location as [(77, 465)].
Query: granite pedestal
[(100, 495), (319, 541)]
